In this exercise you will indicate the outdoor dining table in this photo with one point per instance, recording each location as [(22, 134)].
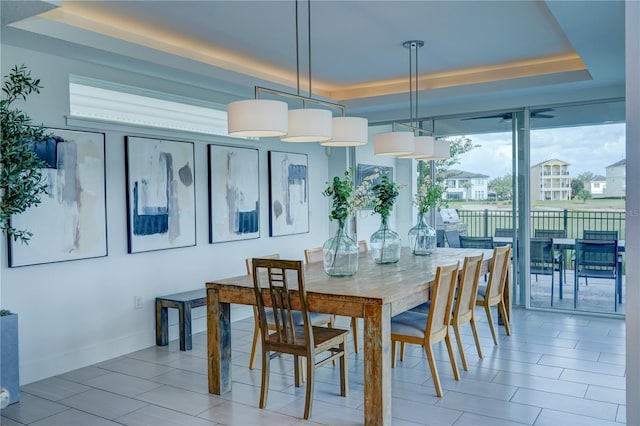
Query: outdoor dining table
[(376, 293)]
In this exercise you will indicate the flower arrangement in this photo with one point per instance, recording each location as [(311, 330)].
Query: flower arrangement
[(428, 195), (345, 198), (384, 196)]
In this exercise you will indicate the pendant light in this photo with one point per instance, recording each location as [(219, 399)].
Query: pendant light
[(268, 118)]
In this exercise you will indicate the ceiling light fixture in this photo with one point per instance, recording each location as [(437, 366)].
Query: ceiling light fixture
[(265, 118)]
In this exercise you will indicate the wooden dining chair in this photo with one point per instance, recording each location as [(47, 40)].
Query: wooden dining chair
[(315, 255), (490, 294), (465, 303), (280, 284), (317, 319), (427, 329)]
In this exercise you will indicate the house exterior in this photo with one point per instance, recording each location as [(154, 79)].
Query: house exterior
[(550, 180), (462, 185), (597, 186), (616, 179)]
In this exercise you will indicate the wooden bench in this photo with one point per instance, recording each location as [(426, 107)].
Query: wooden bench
[(183, 302)]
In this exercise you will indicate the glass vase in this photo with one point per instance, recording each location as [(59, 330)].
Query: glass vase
[(385, 244), (340, 254), (422, 237)]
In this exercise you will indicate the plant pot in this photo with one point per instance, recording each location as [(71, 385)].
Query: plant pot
[(422, 238), (385, 244), (9, 361), (340, 254)]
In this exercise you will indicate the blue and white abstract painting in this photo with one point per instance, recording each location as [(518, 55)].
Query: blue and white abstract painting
[(288, 193), (160, 194), (70, 223), (234, 194)]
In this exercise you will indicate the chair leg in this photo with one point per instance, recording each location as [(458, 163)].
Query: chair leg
[(354, 330), (297, 370), (434, 370), (310, 382), (475, 336), (344, 369), (456, 330), (264, 387), (505, 317), (452, 357), (393, 354), (254, 346), (402, 351), (487, 309)]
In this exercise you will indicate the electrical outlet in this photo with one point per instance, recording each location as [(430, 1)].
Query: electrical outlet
[(137, 302)]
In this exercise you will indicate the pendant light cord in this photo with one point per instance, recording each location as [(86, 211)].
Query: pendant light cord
[(309, 40), (297, 54)]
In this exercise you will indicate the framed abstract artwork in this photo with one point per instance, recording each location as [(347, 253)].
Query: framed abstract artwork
[(71, 221), (288, 193), (365, 170), (161, 202), (234, 194)]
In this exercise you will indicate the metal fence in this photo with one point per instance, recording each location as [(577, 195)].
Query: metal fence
[(483, 223)]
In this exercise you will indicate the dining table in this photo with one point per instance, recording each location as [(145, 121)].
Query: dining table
[(376, 292)]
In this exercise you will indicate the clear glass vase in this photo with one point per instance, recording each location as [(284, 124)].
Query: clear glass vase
[(340, 254), (385, 244), (422, 237)]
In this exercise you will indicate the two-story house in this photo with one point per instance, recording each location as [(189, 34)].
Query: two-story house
[(462, 185)]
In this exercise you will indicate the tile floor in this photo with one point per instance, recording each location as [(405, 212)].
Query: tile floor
[(556, 369)]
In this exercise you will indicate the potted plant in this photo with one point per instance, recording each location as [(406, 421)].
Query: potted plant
[(21, 186), (385, 243)]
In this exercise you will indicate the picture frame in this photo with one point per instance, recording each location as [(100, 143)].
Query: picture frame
[(288, 193), (365, 170), (234, 193), (161, 202), (70, 223)]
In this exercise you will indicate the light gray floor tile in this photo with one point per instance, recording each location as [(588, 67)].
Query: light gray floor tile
[(468, 419), (553, 350), (32, 408), (593, 379), (186, 380), (155, 354), (250, 395), (122, 384), (324, 413), (520, 367), (54, 388), (83, 374), (233, 413), (511, 411), (480, 388), (196, 364), (417, 412), (423, 393), (72, 417), (181, 400), (135, 367), (575, 364), (622, 414), (569, 404), (612, 358), (599, 393), (103, 404), (601, 347), (4, 421), (556, 418), (542, 384), (154, 415)]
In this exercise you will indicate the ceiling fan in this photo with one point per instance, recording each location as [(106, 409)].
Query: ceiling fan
[(535, 113)]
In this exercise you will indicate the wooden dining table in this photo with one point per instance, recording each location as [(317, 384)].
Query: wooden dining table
[(375, 293)]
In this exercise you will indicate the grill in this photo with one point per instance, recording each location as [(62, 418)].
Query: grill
[(448, 220)]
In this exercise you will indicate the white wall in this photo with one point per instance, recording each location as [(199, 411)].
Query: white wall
[(73, 314)]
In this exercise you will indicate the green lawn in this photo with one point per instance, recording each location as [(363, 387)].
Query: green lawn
[(599, 204)]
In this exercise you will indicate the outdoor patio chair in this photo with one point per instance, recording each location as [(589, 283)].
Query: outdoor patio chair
[(476, 242), (453, 238), (283, 283), (559, 255), (599, 235), (503, 232), (543, 261), (597, 259)]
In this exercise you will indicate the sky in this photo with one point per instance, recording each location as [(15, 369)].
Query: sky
[(586, 149)]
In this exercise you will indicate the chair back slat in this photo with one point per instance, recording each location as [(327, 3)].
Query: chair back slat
[(599, 235), (476, 242), (453, 238), (468, 285), (498, 273), (441, 300), (313, 255), (285, 289), (550, 233), (249, 264), (596, 254)]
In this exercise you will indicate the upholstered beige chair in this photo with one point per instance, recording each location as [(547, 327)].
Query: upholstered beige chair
[(491, 294)]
